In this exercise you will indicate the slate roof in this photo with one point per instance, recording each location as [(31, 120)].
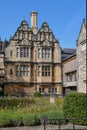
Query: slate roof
[(66, 52)]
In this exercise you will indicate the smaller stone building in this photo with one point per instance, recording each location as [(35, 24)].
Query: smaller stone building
[(74, 66), (69, 65)]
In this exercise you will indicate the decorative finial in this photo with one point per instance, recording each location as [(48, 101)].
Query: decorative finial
[(45, 21), (24, 17)]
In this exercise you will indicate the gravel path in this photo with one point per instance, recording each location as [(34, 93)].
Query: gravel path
[(51, 127)]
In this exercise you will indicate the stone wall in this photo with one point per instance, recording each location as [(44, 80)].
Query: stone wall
[(81, 59)]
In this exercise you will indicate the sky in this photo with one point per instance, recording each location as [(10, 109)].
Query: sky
[(64, 17)]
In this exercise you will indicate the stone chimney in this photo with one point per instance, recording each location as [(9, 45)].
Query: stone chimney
[(34, 21)]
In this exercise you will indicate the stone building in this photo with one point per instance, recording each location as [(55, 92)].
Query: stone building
[(74, 65), (33, 60), (82, 59), (1, 71), (69, 74)]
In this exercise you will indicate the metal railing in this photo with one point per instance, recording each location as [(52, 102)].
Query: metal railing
[(63, 124)]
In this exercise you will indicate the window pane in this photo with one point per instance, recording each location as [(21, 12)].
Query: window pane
[(43, 53), (17, 74), (48, 53), (17, 52), (45, 70), (39, 71), (40, 90), (55, 90), (38, 53)]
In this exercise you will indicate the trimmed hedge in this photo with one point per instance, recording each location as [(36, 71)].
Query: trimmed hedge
[(15, 119), (30, 119), (15, 102), (54, 114), (75, 107)]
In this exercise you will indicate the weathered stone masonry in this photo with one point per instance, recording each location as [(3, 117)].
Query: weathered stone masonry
[(33, 60)]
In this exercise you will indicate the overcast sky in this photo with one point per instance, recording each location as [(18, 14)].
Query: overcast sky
[(64, 17)]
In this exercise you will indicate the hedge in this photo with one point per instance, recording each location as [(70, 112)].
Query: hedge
[(75, 107), (15, 119), (54, 114), (15, 102), (30, 119)]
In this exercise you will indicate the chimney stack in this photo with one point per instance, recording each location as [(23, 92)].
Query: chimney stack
[(34, 21)]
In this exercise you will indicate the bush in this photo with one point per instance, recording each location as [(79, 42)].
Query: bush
[(54, 114), (16, 119), (30, 119), (4, 120), (15, 102), (37, 94), (75, 107)]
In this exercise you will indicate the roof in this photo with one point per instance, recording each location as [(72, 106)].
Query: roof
[(66, 52), (24, 22), (73, 55)]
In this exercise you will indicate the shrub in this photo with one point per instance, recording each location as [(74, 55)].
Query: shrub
[(30, 119), (4, 120), (37, 94), (75, 107), (15, 102), (54, 114), (16, 119)]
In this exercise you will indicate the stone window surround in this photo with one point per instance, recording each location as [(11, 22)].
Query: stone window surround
[(41, 89), (71, 76), (44, 53), (24, 52), (52, 90), (22, 70), (44, 70)]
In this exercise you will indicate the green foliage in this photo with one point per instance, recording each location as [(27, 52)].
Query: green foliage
[(37, 94), (75, 107), (18, 111), (4, 120), (30, 119), (54, 114), (15, 102), (16, 119)]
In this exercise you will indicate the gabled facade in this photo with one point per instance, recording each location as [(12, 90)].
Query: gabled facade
[(82, 59), (33, 60)]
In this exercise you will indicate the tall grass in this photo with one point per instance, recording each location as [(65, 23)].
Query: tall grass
[(30, 113)]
